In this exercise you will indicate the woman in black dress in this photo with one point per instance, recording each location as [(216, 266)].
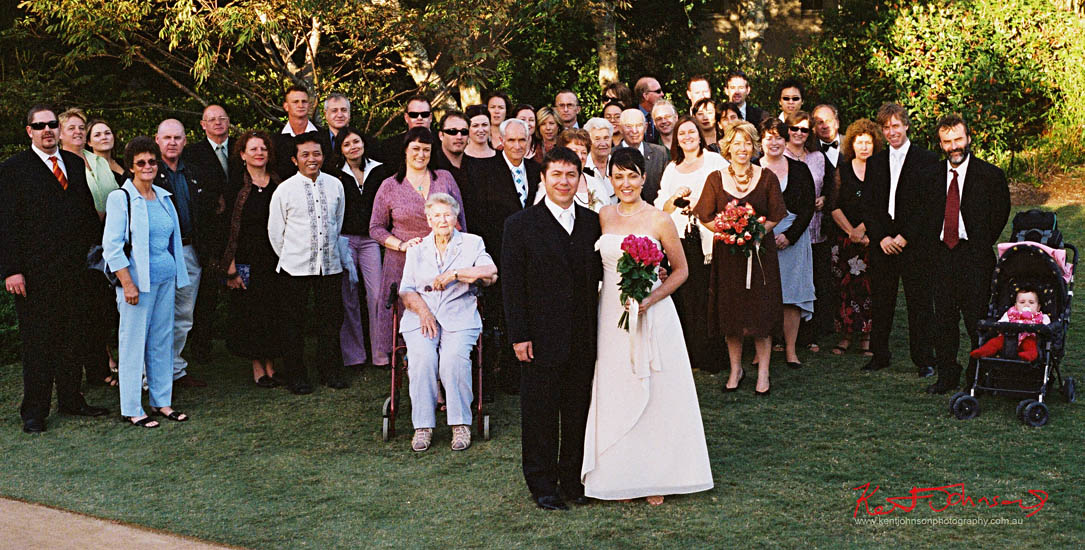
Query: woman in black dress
[(850, 254), (254, 320)]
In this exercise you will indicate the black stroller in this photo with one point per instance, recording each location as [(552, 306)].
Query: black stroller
[(1028, 260)]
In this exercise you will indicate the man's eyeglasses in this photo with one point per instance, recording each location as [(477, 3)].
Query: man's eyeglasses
[(799, 129), (419, 114), (42, 125), (217, 119), (656, 91), (455, 131), (146, 162)]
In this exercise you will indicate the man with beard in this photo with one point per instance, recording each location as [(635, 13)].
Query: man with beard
[(453, 136), (970, 205)]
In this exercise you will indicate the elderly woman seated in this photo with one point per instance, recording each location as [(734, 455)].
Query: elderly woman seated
[(441, 322)]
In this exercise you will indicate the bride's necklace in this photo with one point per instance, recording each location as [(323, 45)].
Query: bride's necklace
[(633, 213), (742, 182)]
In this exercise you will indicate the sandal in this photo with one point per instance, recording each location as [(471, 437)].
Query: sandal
[(111, 381), (145, 422), (173, 415), (654, 500), (461, 437), (421, 440), (841, 349), (814, 348)]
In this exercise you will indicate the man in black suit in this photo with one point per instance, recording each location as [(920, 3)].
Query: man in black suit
[(737, 88), (895, 213), (453, 138), (826, 122), (551, 275), (656, 157), (337, 116), (498, 187), (211, 158), (47, 225), (417, 113), (970, 206)]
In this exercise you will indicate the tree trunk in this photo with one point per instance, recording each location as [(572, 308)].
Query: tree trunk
[(751, 28), (606, 40), (469, 94)]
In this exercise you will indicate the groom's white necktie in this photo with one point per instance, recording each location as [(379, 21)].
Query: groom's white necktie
[(566, 219)]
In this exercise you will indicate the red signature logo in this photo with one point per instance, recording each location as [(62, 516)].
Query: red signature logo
[(939, 499)]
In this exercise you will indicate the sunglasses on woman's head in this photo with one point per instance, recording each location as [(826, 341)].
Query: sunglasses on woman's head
[(799, 129)]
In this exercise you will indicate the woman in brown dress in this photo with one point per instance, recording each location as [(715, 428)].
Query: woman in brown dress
[(734, 310)]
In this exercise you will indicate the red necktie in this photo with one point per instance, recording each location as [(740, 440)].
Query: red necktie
[(59, 173), (953, 213)]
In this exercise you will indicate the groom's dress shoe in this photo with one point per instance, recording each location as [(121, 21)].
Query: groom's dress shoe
[(550, 502), (34, 425)]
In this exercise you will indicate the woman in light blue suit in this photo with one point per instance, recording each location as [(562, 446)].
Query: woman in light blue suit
[(149, 273), (442, 322)]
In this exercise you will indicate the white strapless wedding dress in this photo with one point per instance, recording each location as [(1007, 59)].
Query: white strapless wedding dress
[(644, 435)]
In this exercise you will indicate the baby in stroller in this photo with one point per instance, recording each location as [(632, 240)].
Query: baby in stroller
[(1026, 310)]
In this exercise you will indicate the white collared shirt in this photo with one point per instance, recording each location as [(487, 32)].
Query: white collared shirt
[(962, 170), (309, 127), (832, 152), (639, 147), (48, 163), (565, 216), (522, 170), (304, 225), (896, 162), (742, 110)]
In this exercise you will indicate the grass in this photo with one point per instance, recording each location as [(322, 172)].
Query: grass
[(266, 469)]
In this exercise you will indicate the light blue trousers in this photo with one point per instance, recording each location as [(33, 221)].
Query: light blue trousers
[(146, 338), (447, 356)]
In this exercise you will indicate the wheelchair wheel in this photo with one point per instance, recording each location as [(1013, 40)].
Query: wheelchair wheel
[(386, 406), (486, 427), (1021, 408), (386, 433), (1035, 414), (953, 401), (966, 408), (1069, 390)]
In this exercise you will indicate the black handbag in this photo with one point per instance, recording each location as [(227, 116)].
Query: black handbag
[(96, 257)]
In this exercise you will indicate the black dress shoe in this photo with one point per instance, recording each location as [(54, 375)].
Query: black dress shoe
[(85, 410), (875, 364), (580, 500), (34, 425), (301, 387), (337, 382), (926, 372), (550, 502), (943, 386), (266, 381)]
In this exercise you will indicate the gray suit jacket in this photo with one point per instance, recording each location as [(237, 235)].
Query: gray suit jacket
[(656, 158)]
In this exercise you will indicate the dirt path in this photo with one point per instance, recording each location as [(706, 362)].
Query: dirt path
[(25, 526)]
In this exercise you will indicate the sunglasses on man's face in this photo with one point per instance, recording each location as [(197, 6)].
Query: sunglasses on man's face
[(418, 114), (147, 162), (42, 125), (791, 98), (799, 129), (455, 131)]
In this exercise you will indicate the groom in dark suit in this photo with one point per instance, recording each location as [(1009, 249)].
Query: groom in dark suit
[(47, 226), (551, 275), (970, 206)]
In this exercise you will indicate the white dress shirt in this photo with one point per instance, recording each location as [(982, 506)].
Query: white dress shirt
[(522, 187), (48, 163), (304, 224), (833, 152), (962, 170), (565, 216), (742, 110), (896, 161), (309, 127)]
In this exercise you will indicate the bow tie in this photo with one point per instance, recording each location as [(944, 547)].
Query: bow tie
[(826, 146)]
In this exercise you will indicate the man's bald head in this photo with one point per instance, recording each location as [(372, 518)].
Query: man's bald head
[(632, 121), (170, 138)]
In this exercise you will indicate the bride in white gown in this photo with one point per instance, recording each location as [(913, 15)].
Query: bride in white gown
[(644, 436)]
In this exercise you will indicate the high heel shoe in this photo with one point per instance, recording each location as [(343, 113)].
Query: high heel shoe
[(762, 393), (741, 375)]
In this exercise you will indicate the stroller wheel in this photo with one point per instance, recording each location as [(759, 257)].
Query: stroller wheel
[(1021, 408), (953, 401), (1035, 414), (1069, 390), (966, 408)]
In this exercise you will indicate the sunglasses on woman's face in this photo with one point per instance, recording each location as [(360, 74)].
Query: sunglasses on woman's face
[(146, 162), (799, 129)]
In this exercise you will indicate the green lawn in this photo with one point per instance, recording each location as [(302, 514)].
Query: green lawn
[(267, 469)]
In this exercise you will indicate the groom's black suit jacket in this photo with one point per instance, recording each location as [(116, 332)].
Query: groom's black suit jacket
[(550, 282)]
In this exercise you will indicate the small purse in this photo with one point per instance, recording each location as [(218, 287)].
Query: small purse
[(96, 256)]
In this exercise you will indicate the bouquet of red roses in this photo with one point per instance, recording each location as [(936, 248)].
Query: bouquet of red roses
[(739, 226), (638, 265)]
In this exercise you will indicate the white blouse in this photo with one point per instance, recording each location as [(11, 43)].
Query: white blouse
[(673, 179)]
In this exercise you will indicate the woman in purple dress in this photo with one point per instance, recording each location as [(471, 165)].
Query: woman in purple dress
[(399, 222)]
